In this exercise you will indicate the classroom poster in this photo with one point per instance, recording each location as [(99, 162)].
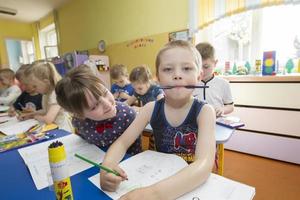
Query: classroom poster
[(269, 60)]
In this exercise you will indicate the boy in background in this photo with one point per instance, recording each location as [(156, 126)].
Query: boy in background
[(9, 90), (122, 88), (29, 100), (218, 94)]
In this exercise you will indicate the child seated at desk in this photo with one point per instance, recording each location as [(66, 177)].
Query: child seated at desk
[(218, 94), (9, 90), (144, 88), (181, 125), (29, 100), (43, 78), (98, 118), (122, 88)]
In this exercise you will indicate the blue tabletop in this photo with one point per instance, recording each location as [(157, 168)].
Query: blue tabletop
[(16, 181)]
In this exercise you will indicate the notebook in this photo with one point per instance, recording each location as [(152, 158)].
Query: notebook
[(149, 167), (230, 122)]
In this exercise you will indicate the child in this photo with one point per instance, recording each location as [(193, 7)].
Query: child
[(181, 124), (218, 94), (43, 78), (122, 88), (29, 100), (97, 117), (144, 90), (9, 90)]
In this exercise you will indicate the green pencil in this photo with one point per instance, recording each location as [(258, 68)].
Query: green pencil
[(97, 165)]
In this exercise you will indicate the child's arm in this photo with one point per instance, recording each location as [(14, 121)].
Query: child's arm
[(11, 111), (194, 174), (12, 96), (130, 100), (50, 116), (118, 149), (226, 109)]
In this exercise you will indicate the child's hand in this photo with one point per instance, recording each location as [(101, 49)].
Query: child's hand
[(219, 111), (124, 95), (110, 181), (24, 116), (11, 112), (145, 193)]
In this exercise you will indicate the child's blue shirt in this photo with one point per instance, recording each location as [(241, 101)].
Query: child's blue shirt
[(150, 95), (128, 89), (180, 140)]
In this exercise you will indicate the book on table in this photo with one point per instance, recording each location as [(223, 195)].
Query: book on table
[(230, 122)]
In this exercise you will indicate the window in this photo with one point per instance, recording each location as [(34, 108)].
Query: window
[(48, 42), (245, 36)]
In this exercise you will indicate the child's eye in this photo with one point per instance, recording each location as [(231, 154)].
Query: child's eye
[(167, 69)]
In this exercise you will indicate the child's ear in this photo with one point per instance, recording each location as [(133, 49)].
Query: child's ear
[(200, 76)]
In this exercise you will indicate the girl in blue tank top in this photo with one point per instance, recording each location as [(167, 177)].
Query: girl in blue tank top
[(181, 125)]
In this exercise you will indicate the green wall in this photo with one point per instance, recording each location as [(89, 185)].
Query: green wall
[(82, 23)]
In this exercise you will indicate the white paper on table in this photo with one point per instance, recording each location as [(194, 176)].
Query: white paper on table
[(37, 160), (14, 126), (150, 167), (6, 119)]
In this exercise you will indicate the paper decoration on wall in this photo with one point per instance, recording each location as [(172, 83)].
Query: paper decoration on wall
[(179, 35), (269, 60), (138, 43)]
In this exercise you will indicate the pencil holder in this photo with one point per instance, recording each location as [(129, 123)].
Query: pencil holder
[(59, 171)]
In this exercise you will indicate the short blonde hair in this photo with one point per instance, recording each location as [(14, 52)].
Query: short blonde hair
[(140, 74), (206, 50), (7, 76), (179, 44), (118, 70), (20, 74)]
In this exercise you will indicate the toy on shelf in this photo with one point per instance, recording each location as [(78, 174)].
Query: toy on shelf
[(227, 68), (257, 66), (269, 59), (248, 66), (234, 69), (289, 66)]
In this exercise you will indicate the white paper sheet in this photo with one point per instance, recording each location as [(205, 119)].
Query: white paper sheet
[(36, 158), (150, 167), (14, 126)]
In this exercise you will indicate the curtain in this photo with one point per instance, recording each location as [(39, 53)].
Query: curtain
[(212, 10)]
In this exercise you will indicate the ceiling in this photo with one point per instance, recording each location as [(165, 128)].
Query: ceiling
[(30, 10)]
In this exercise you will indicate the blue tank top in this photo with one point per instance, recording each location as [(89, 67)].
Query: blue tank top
[(180, 140)]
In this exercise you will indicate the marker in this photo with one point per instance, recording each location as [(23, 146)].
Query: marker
[(100, 166)]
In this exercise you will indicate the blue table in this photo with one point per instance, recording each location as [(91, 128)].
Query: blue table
[(16, 181)]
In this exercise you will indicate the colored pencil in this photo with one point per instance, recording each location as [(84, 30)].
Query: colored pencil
[(186, 86), (97, 165)]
